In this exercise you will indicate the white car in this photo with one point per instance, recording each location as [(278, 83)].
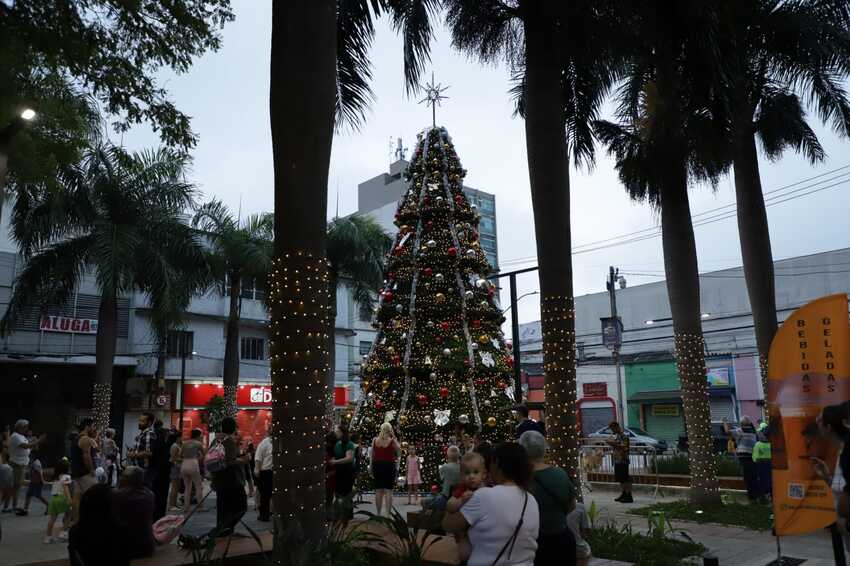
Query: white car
[(637, 437)]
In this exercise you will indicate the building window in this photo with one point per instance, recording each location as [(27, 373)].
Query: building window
[(179, 341), (365, 346), (365, 313), (580, 351), (488, 205), (253, 348)]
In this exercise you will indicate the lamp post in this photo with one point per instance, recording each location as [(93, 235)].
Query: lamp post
[(7, 134)]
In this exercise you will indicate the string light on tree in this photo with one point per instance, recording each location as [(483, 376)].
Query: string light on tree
[(299, 303)]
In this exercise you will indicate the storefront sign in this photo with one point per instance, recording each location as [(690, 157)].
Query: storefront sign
[(595, 389), (66, 324), (808, 369), (718, 377), (665, 410), (249, 395)]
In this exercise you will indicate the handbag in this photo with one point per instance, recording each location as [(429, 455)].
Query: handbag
[(511, 541)]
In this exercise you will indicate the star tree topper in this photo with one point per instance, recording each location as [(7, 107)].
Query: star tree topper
[(433, 96)]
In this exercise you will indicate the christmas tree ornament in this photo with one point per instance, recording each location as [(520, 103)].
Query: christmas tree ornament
[(468, 294), (379, 404), (440, 298), (476, 323), (385, 384), (444, 392), (447, 352), (491, 422), (399, 308), (444, 326), (470, 253), (439, 278), (463, 419), (483, 339), (428, 271), (441, 417), (452, 251), (431, 243)]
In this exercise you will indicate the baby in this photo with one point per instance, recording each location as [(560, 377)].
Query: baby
[(473, 473)]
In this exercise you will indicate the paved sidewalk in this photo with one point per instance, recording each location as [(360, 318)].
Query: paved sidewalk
[(734, 546), (22, 536)]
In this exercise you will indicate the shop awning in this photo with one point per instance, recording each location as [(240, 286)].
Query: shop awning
[(676, 395), (645, 396)]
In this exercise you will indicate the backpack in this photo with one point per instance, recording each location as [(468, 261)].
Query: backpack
[(215, 459)]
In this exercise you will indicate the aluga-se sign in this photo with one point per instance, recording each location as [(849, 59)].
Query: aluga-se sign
[(67, 324)]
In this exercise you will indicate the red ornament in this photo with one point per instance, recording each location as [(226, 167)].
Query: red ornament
[(444, 325), (378, 403), (444, 392), (480, 381), (388, 296), (396, 359), (490, 292), (427, 271), (502, 385), (429, 224), (476, 323), (510, 362), (452, 251), (422, 398), (458, 199), (438, 339)]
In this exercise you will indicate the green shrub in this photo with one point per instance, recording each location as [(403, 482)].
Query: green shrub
[(612, 542), (748, 515), (727, 466)]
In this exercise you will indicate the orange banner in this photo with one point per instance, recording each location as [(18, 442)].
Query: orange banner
[(808, 368)]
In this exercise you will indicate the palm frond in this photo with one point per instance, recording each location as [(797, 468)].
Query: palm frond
[(355, 31), (214, 217), (412, 18), (780, 123), (49, 277), (486, 29)]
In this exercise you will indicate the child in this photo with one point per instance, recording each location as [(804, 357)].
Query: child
[(60, 502), (36, 482), (580, 526), (473, 472), (414, 476)]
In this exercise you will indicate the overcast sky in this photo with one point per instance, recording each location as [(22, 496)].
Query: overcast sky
[(226, 93)]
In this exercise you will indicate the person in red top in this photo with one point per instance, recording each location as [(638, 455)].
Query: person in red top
[(473, 474), (385, 449)]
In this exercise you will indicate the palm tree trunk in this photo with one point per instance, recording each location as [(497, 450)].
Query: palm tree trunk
[(105, 346), (230, 375), (302, 101), (331, 380), (754, 233), (161, 358), (548, 169), (680, 265)]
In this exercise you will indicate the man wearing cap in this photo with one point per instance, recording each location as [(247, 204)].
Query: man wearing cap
[(19, 456)]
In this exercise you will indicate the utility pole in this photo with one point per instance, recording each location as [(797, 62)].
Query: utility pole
[(613, 276), (515, 339), (183, 339)]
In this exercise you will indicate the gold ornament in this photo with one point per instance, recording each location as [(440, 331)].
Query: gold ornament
[(385, 384), (483, 339), (402, 419), (491, 422), (440, 298)]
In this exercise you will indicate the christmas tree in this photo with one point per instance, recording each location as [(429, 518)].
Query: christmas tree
[(438, 369)]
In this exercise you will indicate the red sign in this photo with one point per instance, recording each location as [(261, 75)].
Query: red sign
[(595, 389), (66, 324), (254, 395)]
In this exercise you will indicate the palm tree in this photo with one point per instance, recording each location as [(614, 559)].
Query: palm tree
[(241, 253), (117, 215), (672, 130), (774, 52), (356, 249), (319, 75)]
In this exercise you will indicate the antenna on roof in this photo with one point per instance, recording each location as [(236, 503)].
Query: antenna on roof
[(400, 150)]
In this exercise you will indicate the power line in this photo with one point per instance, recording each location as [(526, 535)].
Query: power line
[(707, 217)]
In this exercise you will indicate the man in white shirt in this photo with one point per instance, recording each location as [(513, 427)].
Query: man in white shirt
[(263, 470), (19, 458)]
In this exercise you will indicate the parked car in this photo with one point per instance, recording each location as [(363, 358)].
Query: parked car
[(718, 435), (637, 437)]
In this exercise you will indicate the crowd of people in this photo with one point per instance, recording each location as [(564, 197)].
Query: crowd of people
[(92, 490)]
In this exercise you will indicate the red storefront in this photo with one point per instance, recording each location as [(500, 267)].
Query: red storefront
[(253, 400)]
